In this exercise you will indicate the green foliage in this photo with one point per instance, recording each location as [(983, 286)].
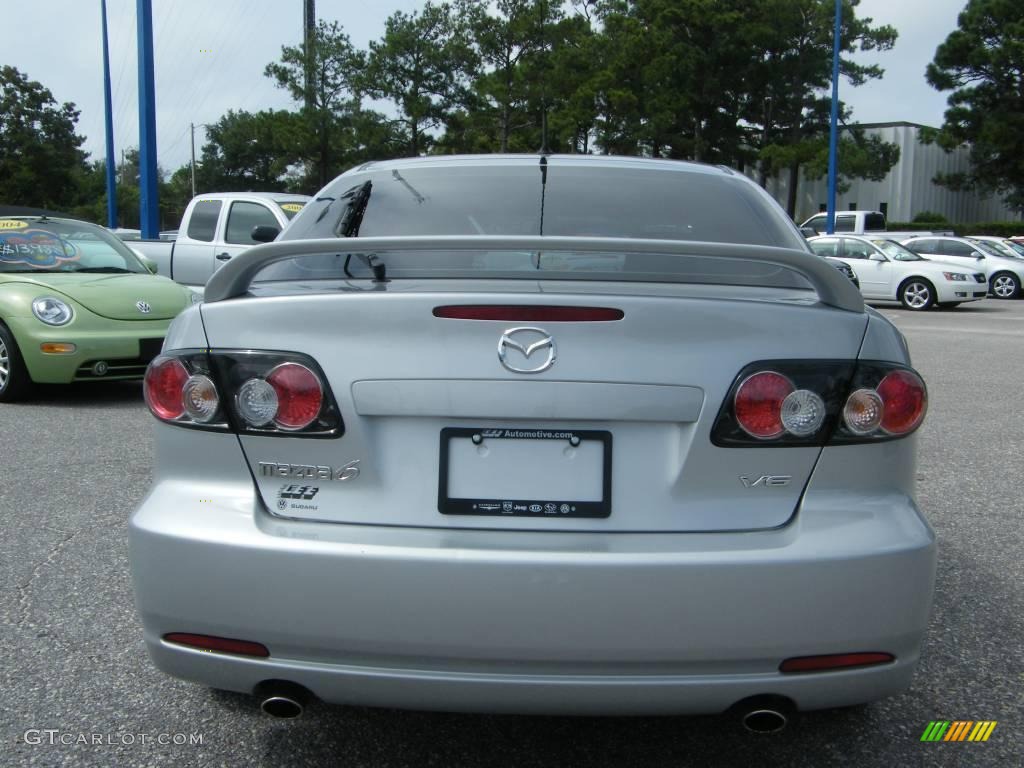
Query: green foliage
[(982, 63), (422, 65), (335, 68), (930, 217), (40, 155)]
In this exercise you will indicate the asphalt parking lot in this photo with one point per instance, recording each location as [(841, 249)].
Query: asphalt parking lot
[(75, 461)]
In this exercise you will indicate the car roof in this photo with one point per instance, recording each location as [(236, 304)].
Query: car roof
[(603, 161), (286, 196)]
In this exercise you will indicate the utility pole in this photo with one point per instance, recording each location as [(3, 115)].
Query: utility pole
[(309, 35), (149, 204), (192, 128), (109, 128)]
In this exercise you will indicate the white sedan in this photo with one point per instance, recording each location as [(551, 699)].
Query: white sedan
[(889, 272)]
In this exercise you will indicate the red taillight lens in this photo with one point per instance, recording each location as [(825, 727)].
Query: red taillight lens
[(528, 314), (162, 387), (904, 399), (834, 661), (220, 644), (758, 404), (299, 395)]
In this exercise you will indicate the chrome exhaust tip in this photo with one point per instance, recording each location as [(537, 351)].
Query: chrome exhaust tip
[(765, 721), (282, 699), (765, 714)]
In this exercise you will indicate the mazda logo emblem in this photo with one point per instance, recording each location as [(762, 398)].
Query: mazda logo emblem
[(523, 343), (143, 307)]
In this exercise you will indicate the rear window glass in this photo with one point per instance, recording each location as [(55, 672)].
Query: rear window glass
[(874, 222), (577, 201), (290, 207)]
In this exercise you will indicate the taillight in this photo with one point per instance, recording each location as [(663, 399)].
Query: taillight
[(758, 402), (905, 400), (806, 402), (299, 395), (162, 387), (267, 393)]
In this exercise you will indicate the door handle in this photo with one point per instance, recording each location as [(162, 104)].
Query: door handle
[(223, 256)]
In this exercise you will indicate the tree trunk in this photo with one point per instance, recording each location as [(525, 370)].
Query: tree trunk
[(794, 180), (505, 119), (414, 130), (325, 152)]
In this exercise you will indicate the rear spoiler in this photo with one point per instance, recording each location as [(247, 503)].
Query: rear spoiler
[(833, 288)]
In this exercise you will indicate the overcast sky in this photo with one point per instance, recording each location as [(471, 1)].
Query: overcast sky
[(210, 56)]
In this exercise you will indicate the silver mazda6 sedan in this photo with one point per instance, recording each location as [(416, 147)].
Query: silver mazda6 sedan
[(536, 434)]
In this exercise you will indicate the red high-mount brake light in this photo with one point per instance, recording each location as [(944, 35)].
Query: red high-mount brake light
[(513, 313), (299, 395), (758, 404), (834, 661), (904, 400), (163, 387), (219, 644)]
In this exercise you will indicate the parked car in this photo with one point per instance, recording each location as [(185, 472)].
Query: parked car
[(214, 229), (868, 223), (1004, 274), (551, 434), (889, 272), (76, 305), (1004, 246)]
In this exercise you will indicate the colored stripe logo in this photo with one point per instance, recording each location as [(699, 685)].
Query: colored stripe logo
[(959, 730)]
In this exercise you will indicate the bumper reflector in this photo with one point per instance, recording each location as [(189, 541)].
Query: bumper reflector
[(57, 348), (219, 644), (834, 661)]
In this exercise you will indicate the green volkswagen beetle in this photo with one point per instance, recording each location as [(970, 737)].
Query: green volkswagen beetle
[(76, 304)]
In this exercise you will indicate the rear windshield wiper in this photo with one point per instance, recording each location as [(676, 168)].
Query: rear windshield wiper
[(348, 226)]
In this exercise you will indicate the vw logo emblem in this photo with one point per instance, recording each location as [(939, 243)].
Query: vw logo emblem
[(143, 307), (524, 342)]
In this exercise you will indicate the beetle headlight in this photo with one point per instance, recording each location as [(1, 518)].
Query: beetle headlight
[(52, 311)]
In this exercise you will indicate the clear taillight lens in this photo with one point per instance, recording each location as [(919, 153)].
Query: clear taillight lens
[(200, 398)]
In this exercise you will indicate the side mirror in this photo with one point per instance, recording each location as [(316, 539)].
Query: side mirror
[(808, 231), (263, 233), (977, 255), (877, 257)]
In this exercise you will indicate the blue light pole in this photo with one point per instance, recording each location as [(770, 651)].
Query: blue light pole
[(830, 226), (111, 161), (149, 211)]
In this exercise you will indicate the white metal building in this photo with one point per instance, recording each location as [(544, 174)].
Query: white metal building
[(907, 190)]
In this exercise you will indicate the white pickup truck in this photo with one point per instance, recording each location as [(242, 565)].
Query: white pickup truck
[(871, 223), (215, 228)]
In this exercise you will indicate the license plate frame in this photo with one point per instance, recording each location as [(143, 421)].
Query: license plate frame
[(525, 507)]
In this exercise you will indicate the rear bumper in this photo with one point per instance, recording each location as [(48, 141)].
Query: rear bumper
[(504, 621)]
